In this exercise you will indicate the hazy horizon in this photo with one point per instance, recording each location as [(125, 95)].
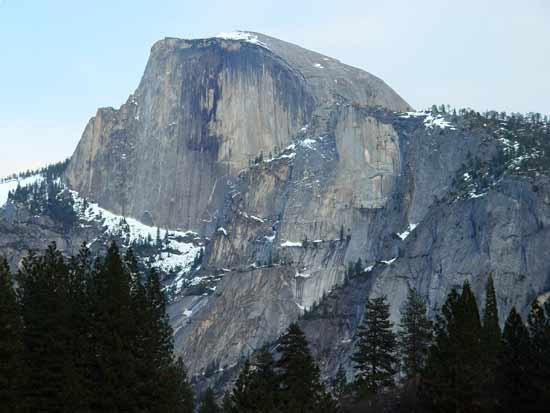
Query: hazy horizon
[(64, 60)]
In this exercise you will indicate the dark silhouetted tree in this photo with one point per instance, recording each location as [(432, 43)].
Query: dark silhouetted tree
[(415, 335), (491, 344), (10, 343), (452, 380), (375, 357), (516, 387), (208, 402), (300, 384), (538, 324)]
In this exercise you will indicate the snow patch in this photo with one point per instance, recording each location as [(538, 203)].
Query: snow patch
[(301, 275), (11, 185), (241, 36), (291, 244), (222, 230), (431, 121), (403, 235), (287, 156), (437, 120), (308, 143), (473, 195), (389, 262), (318, 66), (179, 256), (408, 115)]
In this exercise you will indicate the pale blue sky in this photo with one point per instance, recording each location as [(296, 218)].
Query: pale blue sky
[(62, 59)]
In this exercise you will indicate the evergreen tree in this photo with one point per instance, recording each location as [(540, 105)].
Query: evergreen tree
[(436, 385), (158, 343), (265, 380), (147, 378), (415, 335), (47, 335), (91, 338), (256, 386), (79, 306), (490, 343), (158, 239), (490, 332), (241, 397), (208, 403), (453, 378), (539, 331), (181, 399), (340, 386), (514, 376), (375, 357), (10, 343), (113, 335), (300, 384), (227, 404)]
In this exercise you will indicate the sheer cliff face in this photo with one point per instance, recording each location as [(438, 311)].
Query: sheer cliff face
[(203, 110), (178, 154)]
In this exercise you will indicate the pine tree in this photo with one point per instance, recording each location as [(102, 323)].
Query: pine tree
[(181, 399), (340, 385), (436, 384), (147, 378), (514, 376), (415, 335), (257, 385), (113, 334), (300, 384), (265, 380), (468, 346), (538, 323), (158, 341), (227, 404), (158, 239), (453, 378), (208, 403), (10, 343), (490, 332), (47, 336), (86, 331), (491, 344), (79, 306), (241, 397), (375, 357)]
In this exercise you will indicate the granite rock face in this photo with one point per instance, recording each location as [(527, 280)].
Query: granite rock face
[(260, 145), (292, 165), (203, 110)]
